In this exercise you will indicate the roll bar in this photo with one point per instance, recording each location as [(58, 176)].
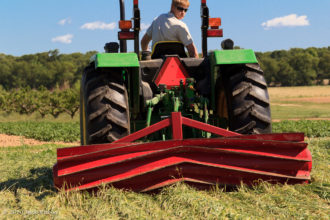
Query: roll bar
[(122, 43), (127, 35)]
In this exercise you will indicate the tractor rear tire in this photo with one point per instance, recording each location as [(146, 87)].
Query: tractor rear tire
[(106, 113), (243, 89)]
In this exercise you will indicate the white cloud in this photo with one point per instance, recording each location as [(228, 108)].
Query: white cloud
[(99, 25), (144, 26), (65, 21), (65, 39), (291, 20)]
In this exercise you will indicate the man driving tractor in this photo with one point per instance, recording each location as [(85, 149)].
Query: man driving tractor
[(170, 27), (149, 123)]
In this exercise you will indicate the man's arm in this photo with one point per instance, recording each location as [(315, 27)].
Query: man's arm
[(145, 41), (192, 50)]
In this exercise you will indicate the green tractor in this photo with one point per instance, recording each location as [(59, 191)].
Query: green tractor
[(123, 92), (153, 120)]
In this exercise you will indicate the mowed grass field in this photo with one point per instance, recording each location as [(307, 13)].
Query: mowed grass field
[(300, 102), (26, 187)]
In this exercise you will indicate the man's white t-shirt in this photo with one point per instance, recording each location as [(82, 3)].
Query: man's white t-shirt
[(167, 27)]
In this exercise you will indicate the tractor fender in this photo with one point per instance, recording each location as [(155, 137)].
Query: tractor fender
[(221, 57), (115, 60)]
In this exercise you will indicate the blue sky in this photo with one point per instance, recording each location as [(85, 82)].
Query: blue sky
[(32, 26)]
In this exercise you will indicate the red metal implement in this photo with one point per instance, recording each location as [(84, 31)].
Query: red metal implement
[(276, 158)]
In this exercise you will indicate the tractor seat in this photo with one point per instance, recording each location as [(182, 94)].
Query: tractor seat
[(163, 48)]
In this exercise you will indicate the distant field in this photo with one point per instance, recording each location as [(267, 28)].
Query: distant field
[(306, 102)]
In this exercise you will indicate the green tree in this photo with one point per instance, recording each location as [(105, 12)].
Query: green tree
[(70, 101), (324, 66), (43, 102), (286, 75), (23, 100), (305, 66), (3, 98), (55, 103), (271, 68)]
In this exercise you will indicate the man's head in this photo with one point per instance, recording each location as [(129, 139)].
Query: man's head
[(179, 8)]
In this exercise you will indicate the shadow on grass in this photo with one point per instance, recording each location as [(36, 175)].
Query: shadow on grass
[(39, 181)]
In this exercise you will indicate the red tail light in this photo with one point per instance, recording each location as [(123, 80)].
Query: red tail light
[(214, 33), (125, 24), (125, 35), (214, 23)]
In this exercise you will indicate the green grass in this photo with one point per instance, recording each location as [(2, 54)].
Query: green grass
[(70, 131), (300, 110), (44, 130), (310, 128), (26, 192)]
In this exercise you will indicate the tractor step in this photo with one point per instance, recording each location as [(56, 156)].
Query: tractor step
[(142, 167)]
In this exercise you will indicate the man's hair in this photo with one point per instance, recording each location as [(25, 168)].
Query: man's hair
[(184, 3)]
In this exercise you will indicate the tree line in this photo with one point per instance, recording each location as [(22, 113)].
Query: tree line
[(48, 69), (294, 67), (45, 102)]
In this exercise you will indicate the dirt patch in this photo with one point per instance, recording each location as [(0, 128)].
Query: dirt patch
[(11, 140)]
